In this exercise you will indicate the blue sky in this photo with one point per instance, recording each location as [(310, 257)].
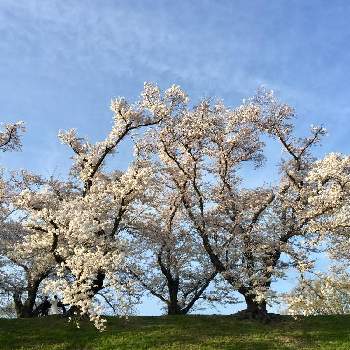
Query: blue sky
[(62, 61)]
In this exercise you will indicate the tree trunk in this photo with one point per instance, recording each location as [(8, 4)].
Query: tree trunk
[(97, 284), (25, 312), (173, 305), (175, 309), (26, 309), (18, 303), (255, 309)]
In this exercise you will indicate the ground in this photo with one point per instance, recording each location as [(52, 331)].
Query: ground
[(178, 333)]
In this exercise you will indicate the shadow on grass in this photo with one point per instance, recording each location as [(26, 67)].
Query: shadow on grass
[(178, 332)]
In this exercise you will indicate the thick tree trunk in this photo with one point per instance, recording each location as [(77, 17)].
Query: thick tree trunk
[(172, 282), (25, 312), (26, 309), (175, 309), (173, 305), (255, 309)]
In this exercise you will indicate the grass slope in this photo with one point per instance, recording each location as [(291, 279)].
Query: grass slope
[(178, 332)]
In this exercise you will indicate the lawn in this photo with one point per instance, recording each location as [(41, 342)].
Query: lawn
[(178, 333)]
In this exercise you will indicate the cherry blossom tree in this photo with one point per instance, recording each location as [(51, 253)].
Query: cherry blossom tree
[(243, 231), (328, 203), (81, 221), (24, 269), (21, 278), (10, 136), (166, 259), (324, 294), (277, 223), (10, 140), (326, 214)]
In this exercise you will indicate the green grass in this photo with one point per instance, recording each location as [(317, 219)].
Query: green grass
[(178, 333)]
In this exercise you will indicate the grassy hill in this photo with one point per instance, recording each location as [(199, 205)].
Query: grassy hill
[(178, 333)]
